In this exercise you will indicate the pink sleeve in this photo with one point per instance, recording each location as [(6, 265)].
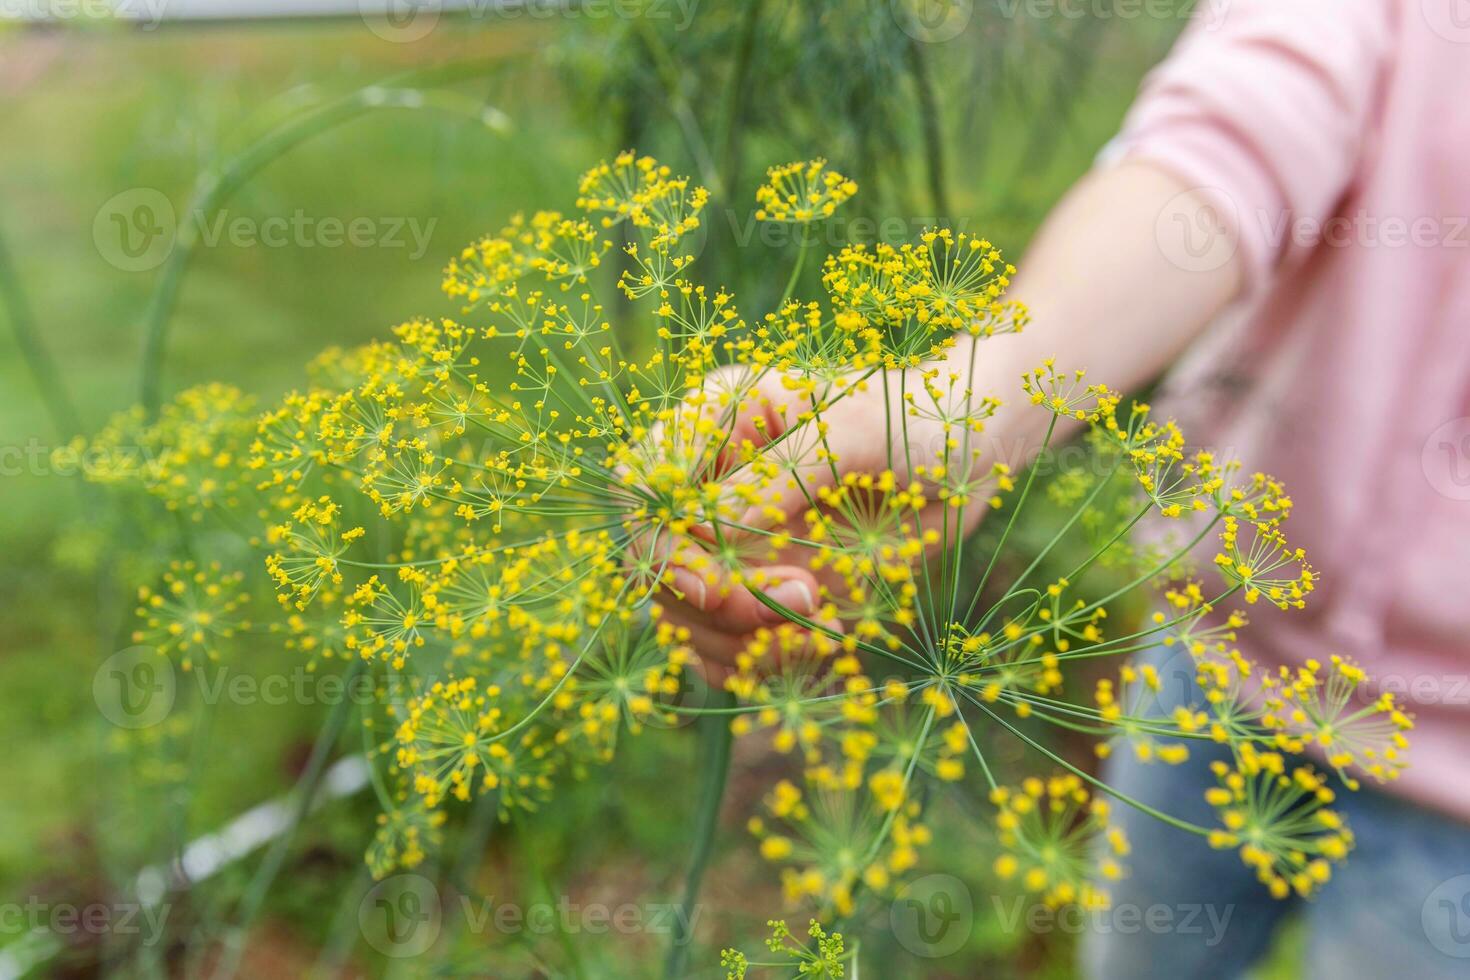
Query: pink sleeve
[(1265, 106)]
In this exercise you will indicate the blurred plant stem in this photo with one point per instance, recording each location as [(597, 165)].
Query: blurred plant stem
[(38, 359), (342, 935), (1083, 44), (669, 74), (740, 91), (714, 765), (930, 128), (305, 792), (803, 246)]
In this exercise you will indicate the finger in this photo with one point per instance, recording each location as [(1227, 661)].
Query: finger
[(720, 655), (691, 577), (734, 608), (787, 590)]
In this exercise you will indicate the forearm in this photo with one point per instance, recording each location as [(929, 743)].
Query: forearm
[(1103, 295)]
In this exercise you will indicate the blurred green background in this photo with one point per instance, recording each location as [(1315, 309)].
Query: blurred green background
[(984, 126)]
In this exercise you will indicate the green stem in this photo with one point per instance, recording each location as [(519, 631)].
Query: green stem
[(929, 125), (1056, 538), (1010, 524), (678, 105), (740, 89), (305, 792), (715, 741), (796, 269), (48, 379), (1098, 783), (343, 931)]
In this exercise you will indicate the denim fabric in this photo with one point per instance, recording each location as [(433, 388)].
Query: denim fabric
[(1398, 908)]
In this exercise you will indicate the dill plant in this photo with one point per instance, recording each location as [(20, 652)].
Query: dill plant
[(488, 512)]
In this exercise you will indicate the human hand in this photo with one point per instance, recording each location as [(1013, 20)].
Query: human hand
[(727, 584)]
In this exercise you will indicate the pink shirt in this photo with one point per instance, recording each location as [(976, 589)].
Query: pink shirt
[(1333, 138)]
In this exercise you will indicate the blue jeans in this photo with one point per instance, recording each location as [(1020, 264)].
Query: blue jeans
[(1398, 908)]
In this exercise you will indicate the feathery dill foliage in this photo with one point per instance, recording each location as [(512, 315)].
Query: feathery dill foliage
[(486, 510)]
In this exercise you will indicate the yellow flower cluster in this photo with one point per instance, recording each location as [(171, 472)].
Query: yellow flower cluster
[(801, 192), (487, 513), (836, 838), (1279, 821), (826, 956), (1048, 827), (194, 610), (189, 457)]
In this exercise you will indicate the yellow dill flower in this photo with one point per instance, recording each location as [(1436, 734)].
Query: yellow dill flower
[(1279, 820), (1125, 707), (802, 192), (839, 839), (1064, 394), (826, 956), (405, 836), (646, 193), (1258, 567), (1047, 829), (189, 457), (1321, 703), (308, 549), (193, 610), (499, 508)]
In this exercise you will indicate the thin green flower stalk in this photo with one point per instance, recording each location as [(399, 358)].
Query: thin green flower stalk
[(494, 509)]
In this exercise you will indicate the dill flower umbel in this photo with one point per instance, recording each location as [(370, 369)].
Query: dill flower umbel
[(825, 956), (485, 514), (194, 610), (1047, 828), (801, 192), (1279, 820)]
